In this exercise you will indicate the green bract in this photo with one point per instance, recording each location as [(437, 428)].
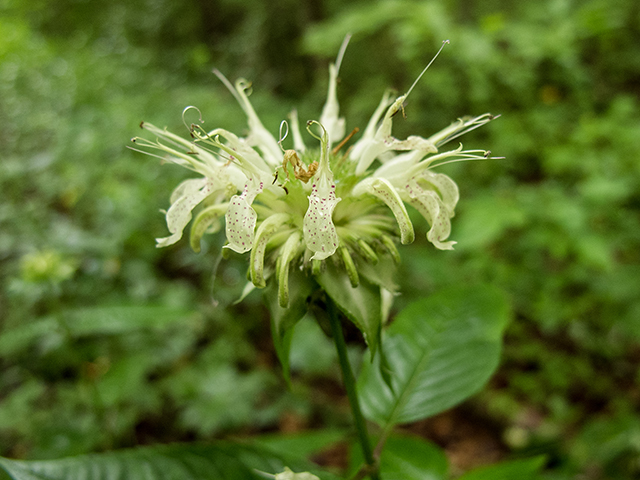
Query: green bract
[(299, 207)]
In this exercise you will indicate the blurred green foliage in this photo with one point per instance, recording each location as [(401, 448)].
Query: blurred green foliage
[(108, 342)]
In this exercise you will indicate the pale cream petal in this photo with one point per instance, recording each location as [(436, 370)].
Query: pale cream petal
[(431, 207), (329, 118), (447, 188), (241, 218), (179, 214), (319, 231)]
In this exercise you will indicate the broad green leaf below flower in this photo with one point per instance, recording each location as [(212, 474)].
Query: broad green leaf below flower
[(408, 458), (216, 461), (441, 350)]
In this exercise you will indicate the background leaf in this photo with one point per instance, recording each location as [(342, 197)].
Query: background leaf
[(441, 351), (302, 444), (526, 469), (121, 319), (219, 461)]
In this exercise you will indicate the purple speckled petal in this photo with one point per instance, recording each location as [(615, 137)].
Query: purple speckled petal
[(319, 231), (190, 194), (431, 207), (241, 218)]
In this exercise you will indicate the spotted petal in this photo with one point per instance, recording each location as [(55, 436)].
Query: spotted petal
[(241, 218), (432, 208), (184, 199), (319, 231), (447, 188)]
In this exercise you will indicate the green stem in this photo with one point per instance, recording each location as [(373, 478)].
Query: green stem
[(350, 386)]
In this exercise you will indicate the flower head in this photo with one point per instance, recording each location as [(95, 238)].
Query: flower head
[(311, 203)]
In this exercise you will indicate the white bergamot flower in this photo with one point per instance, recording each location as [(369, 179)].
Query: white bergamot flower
[(303, 205)]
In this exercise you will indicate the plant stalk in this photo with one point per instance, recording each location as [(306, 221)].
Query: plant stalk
[(350, 386)]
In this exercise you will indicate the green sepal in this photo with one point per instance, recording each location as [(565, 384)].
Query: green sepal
[(367, 252), (350, 267), (316, 265), (391, 247), (203, 221), (361, 305), (284, 319)]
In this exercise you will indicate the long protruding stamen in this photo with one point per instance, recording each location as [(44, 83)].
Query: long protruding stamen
[(461, 127), (190, 162), (383, 141), (337, 148), (444, 42)]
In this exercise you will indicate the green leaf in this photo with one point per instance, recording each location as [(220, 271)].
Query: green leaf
[(302, 444), (218, 461), (121, 319), (284, 319), (92, 321), (526, 469), (407, 458), (361, 304), (20, 337), (441, 351)]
